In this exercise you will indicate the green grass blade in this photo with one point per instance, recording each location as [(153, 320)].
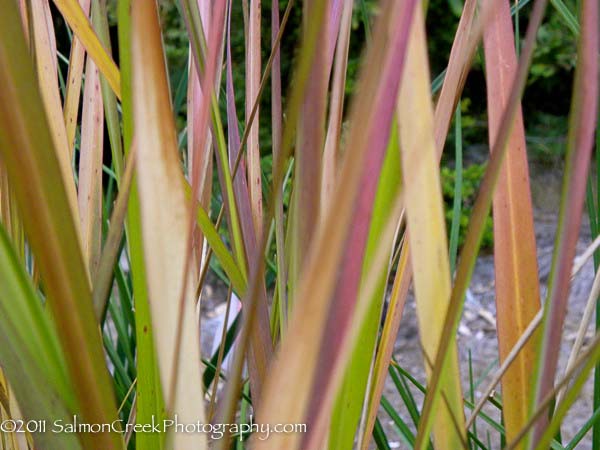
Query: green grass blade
[(403, 429), (348, 407), (31, 355), (41, 191), (149, 400), (379, 437), (457, 206)]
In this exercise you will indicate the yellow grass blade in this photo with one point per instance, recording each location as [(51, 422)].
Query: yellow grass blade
[(78, 21), (516, 272), (427, 231), (165, 215)]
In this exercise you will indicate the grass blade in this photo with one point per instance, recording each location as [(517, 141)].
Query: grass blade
[(427, 233), (336, 106), (350, 399), (387, 341), (580, 141), (73, 84), (90, 168), (149, 402), (292, 373), (253, 75), (31, 354), (515, 258), (165, 215), (77, 19), (44, 45), (309, 149), (476, 226), (41, 191)]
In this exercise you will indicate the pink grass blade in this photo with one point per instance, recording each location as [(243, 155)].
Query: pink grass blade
[(336, 105), (293, 371), (90, 168), (195, 137), (580, 142), (309, 149), (351, 397), (261, 343), (253, 74)]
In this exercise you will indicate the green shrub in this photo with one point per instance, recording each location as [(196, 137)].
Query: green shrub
[(472, 176)]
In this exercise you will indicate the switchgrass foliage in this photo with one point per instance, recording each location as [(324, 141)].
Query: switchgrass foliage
[(295, 158)]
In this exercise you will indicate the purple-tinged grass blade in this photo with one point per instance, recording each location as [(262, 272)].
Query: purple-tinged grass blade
[(295, 371), (310, 139), (276, 133), (580, 142), (261, 348), (336, 106)]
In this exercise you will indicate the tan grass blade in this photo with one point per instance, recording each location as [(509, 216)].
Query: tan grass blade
[(506, 364), (73, 83), (586, 318), (460, 57), (103, 276), (165, 215), (44, 46)]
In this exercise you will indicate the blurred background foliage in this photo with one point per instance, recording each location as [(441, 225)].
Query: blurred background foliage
[(545, 102)]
